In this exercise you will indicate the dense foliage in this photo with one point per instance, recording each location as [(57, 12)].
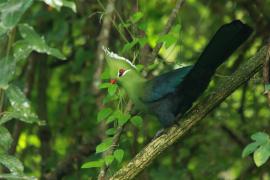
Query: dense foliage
[(61, 118)]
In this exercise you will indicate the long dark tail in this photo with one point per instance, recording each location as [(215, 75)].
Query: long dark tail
[(226, 40)]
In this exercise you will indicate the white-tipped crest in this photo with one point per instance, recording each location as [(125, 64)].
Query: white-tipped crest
[(117, 57)]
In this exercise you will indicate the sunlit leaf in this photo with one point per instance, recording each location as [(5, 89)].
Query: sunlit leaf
[(12, 163), (6, 139), (33, 42), (93, 164), (105, 145), (119, 154), (21, 106), (168, 40), (7, 71), (260, 137), (11, 13), (262, 154), (22, 49)]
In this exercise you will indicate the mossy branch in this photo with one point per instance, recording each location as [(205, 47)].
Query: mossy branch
[(145, 157)]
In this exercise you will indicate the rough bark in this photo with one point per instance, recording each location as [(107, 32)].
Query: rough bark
[(266, 75), (144, 158), (103, 40)]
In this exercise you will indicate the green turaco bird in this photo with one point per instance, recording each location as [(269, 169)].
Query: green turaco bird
[(170, 95)]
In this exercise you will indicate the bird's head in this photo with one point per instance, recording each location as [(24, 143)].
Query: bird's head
[(121, 69)]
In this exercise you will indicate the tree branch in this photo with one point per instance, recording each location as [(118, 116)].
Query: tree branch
[(195, 115), (266, 75)]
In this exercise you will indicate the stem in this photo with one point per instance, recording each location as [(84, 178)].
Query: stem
[(11, 37)]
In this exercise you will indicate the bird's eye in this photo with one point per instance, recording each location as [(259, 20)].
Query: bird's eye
[(121, 72)]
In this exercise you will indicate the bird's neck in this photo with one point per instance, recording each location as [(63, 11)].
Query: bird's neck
[(134, 87)]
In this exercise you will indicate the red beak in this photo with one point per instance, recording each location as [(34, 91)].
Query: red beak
[(113, 81)]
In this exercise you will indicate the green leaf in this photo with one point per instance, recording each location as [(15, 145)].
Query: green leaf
[(104, 85), (6, 139), (260, 137), (139, 67), (119, 154), (32, 41), (142, 41), (111, 118), (7, 71), (21, 107), (22, 49), (168, 40), (57, 4), (136, 17), (110, 131), (105, 145), (11, 13), (130, 45), (103, 114), (250, 149), (137, 121), (262, 154), (93, 164), (109, 159), (112, 89), (123, 118), (70, 5), (12, 163)]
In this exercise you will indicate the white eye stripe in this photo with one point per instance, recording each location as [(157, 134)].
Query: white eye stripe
[(125, 72)]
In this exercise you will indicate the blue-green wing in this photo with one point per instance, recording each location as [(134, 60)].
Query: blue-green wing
[(164, 84)]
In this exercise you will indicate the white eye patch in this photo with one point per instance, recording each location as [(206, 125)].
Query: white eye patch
[(121, 74)]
